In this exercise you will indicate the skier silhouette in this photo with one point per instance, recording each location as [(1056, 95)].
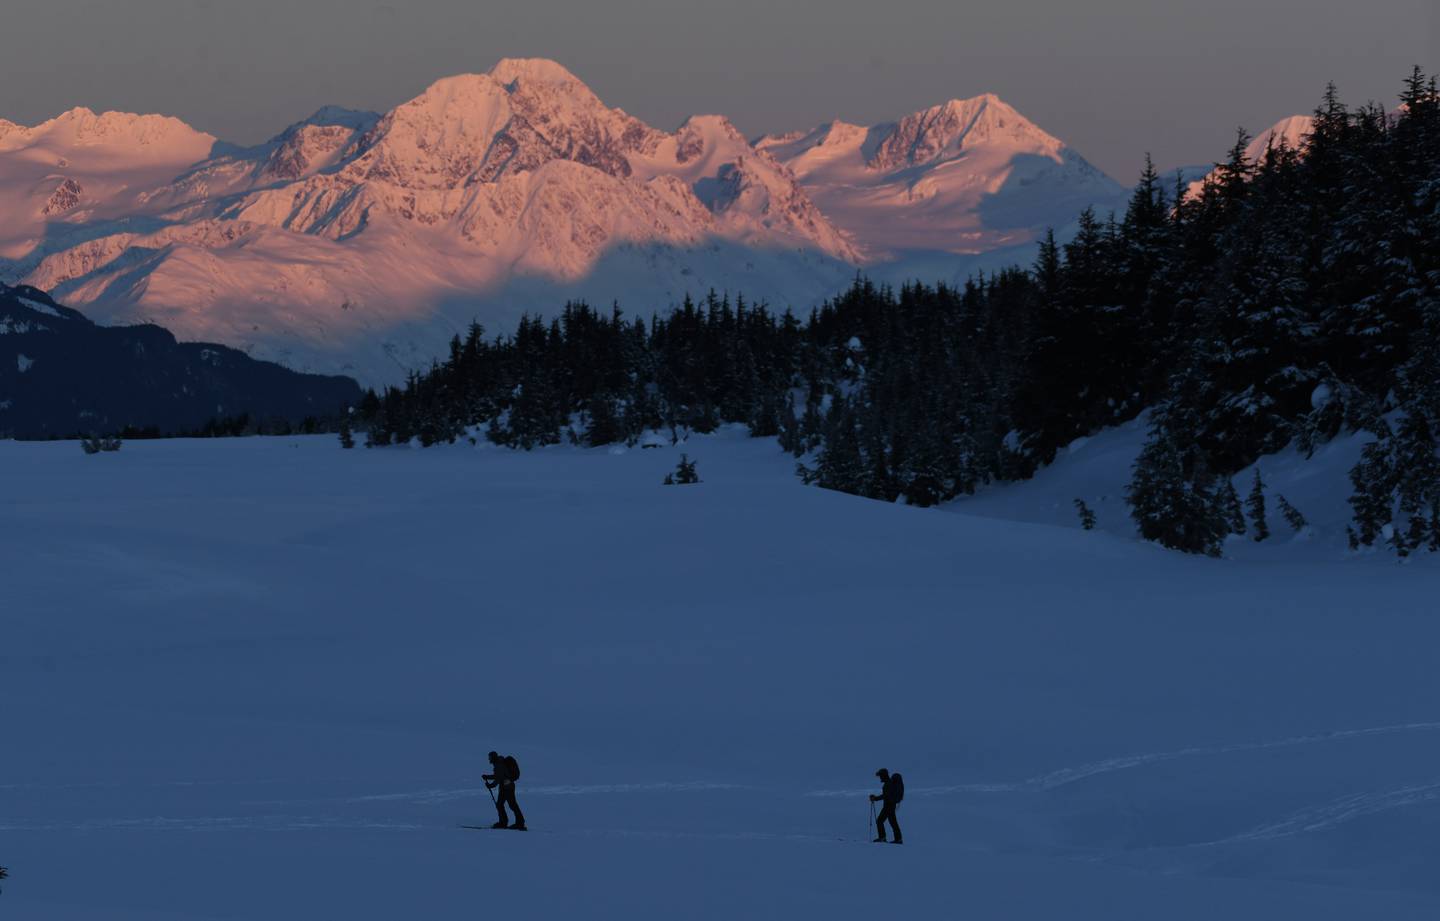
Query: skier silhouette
[(507, 771), (892, 791)]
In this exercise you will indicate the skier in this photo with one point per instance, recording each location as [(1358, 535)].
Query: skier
[(892, 791), (507, 771)]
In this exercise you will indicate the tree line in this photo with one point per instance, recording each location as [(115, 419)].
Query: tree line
[(1285, 302)]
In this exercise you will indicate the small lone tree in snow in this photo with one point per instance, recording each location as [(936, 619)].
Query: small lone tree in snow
[(1256, 503), (684, 474), (347, 438), (1292, 514), (1087, 516)]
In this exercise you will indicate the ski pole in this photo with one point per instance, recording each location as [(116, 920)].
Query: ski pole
[(871, 826)]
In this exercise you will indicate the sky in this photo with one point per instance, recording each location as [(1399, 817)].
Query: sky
[(1113, 78)]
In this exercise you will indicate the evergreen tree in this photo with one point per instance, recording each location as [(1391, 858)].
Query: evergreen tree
[(1292, 514), (1087, 516), (1256, 506), (1230, 507), (1373, 500), (791, 440), (347, 440), (1173, 505), (601, 423), (840, 466), (685, 473)]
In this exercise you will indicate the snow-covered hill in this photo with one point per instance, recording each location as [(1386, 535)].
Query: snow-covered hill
[(360, 242), (968, 176), (257, 678)]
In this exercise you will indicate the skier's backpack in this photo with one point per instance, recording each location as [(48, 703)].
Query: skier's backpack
[(512, 767), (899, 787)]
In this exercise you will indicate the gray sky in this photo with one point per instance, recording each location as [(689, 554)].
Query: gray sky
[(1114, 78)]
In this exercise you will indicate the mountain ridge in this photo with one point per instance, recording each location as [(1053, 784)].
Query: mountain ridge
[(63, 375), (966, 176), (359, 242)]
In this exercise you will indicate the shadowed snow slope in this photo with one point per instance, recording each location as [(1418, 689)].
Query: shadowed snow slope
[(256, 679)]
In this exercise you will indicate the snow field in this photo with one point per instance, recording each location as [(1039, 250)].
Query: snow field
[(256, 679)]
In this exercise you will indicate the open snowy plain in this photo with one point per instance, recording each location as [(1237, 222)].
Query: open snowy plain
[(256, 679)]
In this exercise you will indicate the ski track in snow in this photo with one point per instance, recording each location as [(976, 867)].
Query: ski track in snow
[(1038, 783), (284, 823), (1337, 812), (1043, 782), (430, 797), (218, 823)]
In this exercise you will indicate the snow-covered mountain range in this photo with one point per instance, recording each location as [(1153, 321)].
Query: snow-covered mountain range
[(359, 242), (968, 176)]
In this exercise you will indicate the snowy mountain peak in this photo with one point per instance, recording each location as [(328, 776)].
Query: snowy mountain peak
[(535, 70), (953, 127), (315, 143), (1291, 131), (965, 176), (714, 126), (84, 126), (339, 116), (830, 136), (475, 128)]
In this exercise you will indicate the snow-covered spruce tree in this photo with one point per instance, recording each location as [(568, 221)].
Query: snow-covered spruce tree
[(1231, 508), (685, 473), (1417, 478), (925, 480), (1172, 496), (879, 482), (1372, 501), (1087, 515), (1397, 481), (1255, 505), (347, 438), (841, 466), (791, 441), (602, 425), (1292, 515)]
